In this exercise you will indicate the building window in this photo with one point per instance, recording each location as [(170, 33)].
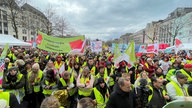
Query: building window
[(5, 32), (1, 28), (4, 15), (0, 25), (31, 38), (5, 27), (0, 14), (24, 38), (24, 31)]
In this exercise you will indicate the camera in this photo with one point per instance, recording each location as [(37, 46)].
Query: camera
[(142, 94)]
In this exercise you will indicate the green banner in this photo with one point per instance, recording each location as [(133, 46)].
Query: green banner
[(56, 44)]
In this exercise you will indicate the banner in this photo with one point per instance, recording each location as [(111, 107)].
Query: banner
[(122, 47), (56, 44), (2, 62), (153, 48), (96, 46)]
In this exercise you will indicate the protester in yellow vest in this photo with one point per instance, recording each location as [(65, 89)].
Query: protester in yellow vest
[(187, 70), (100, 93), (34, 90), (85, 83), (58, 63), (49, 83), (142, 75), (102, 74), (8, 64), (12, 55), (110, 72), (10, 100), (142, 94), (77, 69), (91, 65), (159, 97), (14, 83), (159, 73), (67, 82), (177, 89), (172, 71)]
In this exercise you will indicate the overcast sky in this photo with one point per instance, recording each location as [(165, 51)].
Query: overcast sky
[(109, 19)]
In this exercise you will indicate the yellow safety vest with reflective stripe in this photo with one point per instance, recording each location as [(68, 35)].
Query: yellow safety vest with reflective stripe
[(10, 65), (101, 102), (36, 60), (47, 57), (111, 80), (37, 80), (188, 61), (150, 96), (84, 91), (179, 91), (93, 69), (170, 74), (72, 90), (48, 92), (161, 77), (57, 66), (12, 55), (5, 96), (185, 73), (21, 92), (105, 77)]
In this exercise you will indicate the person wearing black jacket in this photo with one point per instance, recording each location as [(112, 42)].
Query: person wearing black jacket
[(122, 97), (159, 98)]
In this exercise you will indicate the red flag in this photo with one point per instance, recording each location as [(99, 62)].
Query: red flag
[(177, 42), (76, 44), (39, 39)]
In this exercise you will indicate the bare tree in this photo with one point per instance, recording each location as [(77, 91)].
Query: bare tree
[(151, 38), (175, 27), (60, 26), (178, 24), (50, 14), (13, 14)]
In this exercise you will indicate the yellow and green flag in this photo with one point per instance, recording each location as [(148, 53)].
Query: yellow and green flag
[(130, 52)]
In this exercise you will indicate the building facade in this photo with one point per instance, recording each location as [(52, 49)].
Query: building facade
[(177, 25), (29, 21)]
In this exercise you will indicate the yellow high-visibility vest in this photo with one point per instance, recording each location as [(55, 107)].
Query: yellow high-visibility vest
[(179, 91), (111, 80), (84, 91), (185, 73), (5, 96), (101, 101), (48, 92), (37, 80)]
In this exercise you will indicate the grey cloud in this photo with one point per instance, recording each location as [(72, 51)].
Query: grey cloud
[(120, 16)]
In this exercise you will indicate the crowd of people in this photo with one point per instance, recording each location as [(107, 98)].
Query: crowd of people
[(34, 78)]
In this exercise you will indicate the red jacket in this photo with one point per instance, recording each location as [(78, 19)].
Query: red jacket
[(149, 69)]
